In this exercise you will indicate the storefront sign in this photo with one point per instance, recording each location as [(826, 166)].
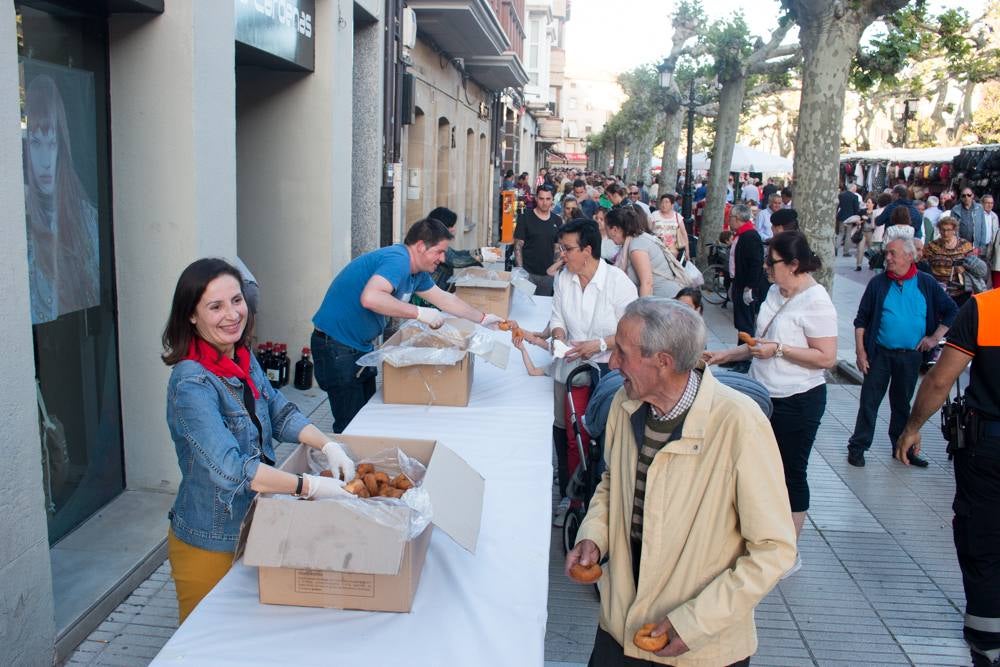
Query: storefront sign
[(281, 28)]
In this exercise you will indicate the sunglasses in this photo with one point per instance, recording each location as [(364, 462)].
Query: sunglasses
[(966, 195)]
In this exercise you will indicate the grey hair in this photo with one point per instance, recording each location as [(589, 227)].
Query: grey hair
[(741, 211), (909, 246), (669, 326)]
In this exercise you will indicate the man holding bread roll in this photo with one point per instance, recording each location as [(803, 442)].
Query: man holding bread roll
[(691, 513)]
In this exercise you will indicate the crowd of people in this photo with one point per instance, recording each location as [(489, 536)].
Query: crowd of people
[(685, 454)]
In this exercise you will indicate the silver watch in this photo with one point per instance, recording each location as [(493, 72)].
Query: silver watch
[(779, 351), (604, 345)]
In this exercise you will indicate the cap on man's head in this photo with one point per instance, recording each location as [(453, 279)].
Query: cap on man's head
[(445, 216)]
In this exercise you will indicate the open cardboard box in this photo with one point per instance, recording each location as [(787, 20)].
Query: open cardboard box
[(326, 554), (429, 384), (489, 291)]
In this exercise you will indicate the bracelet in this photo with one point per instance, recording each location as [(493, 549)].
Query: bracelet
[(298, 485)]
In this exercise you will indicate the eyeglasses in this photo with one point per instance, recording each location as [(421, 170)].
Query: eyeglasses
[(770, 261), (568, 248), (633, 192)]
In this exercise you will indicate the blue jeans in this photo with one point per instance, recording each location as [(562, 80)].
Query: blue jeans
[(347, 385), (896, 370)]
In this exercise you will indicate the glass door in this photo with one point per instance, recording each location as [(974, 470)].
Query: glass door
[(64, 129)]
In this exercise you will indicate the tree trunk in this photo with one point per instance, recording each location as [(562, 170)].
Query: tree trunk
[(828, 44), (645, 155), (964, 117), (671, 146), (619, 157), (938, 125), (727, 125)]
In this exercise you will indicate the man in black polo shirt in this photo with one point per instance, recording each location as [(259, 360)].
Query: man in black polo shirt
[(974, 335), (535, 241)]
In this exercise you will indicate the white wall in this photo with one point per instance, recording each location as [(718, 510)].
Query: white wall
[(294, 144), (174, 196), (27, 632)]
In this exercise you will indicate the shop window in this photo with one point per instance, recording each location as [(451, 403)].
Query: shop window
[(64, 129)]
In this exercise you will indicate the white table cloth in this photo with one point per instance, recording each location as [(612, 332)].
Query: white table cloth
[(487, 608)]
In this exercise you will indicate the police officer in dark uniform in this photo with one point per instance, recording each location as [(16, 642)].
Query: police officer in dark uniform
[(975, 445)]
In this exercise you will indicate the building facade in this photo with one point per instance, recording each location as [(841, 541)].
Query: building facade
[(143, 134), (589, 99)]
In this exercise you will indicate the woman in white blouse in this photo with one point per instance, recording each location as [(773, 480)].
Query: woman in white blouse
[(796, 342), (668, 225), (589, 298)]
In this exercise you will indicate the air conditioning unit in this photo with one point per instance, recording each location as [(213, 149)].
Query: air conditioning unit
[(409, 32)]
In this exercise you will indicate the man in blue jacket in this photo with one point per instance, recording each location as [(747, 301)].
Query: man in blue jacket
[(903, 313), (900, 197)]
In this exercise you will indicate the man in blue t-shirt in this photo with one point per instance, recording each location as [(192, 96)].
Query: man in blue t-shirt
[(361, 299)]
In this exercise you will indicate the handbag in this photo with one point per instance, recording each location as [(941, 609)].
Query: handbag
[(857, 235), (691, 271)]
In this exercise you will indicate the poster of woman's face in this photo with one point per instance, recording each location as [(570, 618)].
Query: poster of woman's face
[(60, 156)]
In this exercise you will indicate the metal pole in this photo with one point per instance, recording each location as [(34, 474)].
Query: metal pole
[(686, 211)]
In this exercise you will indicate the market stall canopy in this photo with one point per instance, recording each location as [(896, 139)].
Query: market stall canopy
[(745, 159), (935, 154)]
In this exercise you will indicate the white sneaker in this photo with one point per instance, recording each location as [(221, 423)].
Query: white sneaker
[(796, 566), (559, 513)]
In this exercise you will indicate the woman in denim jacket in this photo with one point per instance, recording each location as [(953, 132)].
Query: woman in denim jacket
[(225, 452)]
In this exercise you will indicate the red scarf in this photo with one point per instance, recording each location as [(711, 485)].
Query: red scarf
[(218, 363), (745, 227), (906, 276)]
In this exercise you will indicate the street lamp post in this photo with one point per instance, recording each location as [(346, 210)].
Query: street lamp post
[(686, 210)]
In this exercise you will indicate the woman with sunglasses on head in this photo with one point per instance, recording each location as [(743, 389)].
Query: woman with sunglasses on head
[(796, 341)]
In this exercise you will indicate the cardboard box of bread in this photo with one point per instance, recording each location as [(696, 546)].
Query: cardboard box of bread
[(424, 366), (361, 553), (489, 291)]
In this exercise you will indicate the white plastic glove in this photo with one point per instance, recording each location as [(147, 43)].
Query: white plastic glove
[(432, 317), (490, 320), (319, 487), (338, 460), (748, 296)]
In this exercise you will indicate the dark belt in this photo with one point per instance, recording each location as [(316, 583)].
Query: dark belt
[(317, 332), (991, 429)]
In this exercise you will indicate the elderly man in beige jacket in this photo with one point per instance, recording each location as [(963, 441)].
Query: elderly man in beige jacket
[(692, 512)]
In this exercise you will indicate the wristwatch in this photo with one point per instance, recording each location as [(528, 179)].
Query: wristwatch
[(604, 345), (779, 351)]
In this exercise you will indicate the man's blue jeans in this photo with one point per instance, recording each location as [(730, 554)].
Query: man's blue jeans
[(348, 385), (896, 370)]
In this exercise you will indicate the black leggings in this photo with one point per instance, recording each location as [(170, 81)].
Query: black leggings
[(795, 420)]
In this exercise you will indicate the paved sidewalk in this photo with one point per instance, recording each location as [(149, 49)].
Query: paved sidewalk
[(879, 585)]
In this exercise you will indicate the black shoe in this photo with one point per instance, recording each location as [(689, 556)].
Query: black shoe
[(857, 268), (856, 459), (918, 461)]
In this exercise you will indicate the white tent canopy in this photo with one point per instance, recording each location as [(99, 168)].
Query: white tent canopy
[(934, 154), (744, 159)]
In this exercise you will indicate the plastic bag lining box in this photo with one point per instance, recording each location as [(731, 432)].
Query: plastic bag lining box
[(326, 554), (489, 295), (428, 384)]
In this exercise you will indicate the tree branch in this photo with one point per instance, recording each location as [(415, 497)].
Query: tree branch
[(767, 51), (777, 66)]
